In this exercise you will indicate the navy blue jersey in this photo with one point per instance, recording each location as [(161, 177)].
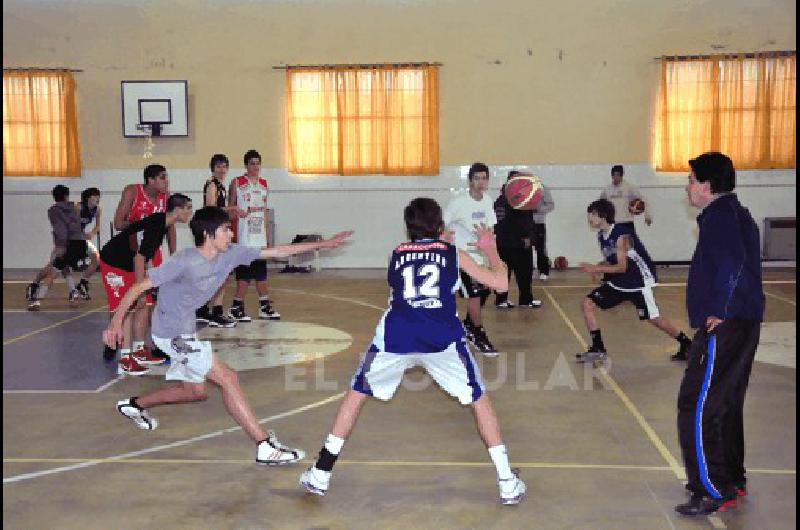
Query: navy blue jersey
[(422, 316), (87, 216), (641, 271)]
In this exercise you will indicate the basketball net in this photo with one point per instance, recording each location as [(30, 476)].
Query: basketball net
[(148, 144)]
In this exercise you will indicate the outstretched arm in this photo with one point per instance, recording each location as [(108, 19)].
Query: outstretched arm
[(283, 251)]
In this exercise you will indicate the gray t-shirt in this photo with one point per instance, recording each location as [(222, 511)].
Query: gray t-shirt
[(187, 281)]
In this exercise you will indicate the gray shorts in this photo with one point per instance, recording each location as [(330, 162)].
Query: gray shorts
[(190, 359)]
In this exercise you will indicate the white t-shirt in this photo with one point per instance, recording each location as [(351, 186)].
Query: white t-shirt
[(251, 230), (461, 216), (621, 197)]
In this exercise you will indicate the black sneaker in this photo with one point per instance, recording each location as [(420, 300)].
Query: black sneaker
[(591, 355), (505, 305), (681, 355), (266, 312), (704, 505), (483, 343), (83, 289), (74, 297), (219, 320), (237, 313), (31, 292), (202, 315)]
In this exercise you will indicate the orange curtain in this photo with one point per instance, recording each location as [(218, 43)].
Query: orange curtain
[(357, 121), (743, 106), (40, 125)]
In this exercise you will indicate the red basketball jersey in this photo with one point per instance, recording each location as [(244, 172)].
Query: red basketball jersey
[(144, 206)]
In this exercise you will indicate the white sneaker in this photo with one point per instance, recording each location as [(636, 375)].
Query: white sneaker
[(271, 452), (512, 490), (34, 305), (139, 416), (543, 277), (535, 303), (316, 481)]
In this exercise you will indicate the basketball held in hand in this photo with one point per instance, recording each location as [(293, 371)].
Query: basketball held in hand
[(524, 192), (636, 206)]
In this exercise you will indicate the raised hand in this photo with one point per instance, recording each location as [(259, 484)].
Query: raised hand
[(337, 240)]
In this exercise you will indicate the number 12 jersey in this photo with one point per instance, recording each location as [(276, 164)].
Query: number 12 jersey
[(422, 316)]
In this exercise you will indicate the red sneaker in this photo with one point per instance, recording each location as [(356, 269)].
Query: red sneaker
[(128, 365), (144, 356)]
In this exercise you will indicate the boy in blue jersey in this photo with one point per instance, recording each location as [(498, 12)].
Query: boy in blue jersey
[(422, 328), (629, 275)]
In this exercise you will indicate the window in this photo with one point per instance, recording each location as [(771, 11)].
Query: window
[(40, 129), (742, 105), (357, 120)]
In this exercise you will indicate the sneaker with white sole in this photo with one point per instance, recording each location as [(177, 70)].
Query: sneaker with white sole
[(535, 303), (34, 305), (505, 305), (543, 277), (137, 415), (74, 297), (129, 366), (271, 452), (237, 313), (591, 356), (266, 312), (145, 357), (31, 292), (512, 490), (316, 481), (83, 289)]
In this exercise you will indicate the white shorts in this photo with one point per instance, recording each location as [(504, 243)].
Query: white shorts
[(190, 359), (453, 369)]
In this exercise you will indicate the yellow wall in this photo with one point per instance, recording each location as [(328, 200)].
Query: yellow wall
[(535, 82)]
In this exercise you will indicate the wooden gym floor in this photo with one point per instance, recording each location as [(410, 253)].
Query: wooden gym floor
[(596, 450)]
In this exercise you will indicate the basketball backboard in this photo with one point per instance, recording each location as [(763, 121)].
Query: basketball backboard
[(159, 108)]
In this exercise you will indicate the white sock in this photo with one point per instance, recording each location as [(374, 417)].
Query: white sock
[(70, 282), (500, 459), (334, 444), (137, 345), (123, 352)]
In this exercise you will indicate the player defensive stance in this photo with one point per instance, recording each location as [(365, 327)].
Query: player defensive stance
[(422, 328), (186, 282)]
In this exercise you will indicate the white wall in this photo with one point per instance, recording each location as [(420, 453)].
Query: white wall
[(373, 207)]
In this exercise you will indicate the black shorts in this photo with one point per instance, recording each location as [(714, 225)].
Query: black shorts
[(471, 288), (606, 297), (76, 256), (255, 272)]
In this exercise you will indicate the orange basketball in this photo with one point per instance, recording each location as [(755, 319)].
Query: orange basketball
[(636, 206), (560, 263), (524, 192)]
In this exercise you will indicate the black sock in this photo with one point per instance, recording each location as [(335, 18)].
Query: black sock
[(238, 303), (597, 340), (216, 310), (135, 402), (326, 460)]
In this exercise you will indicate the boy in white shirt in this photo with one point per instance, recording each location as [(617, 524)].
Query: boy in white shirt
[(461, 216)]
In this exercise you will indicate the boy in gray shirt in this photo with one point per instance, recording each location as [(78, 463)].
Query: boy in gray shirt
[(186, 282)]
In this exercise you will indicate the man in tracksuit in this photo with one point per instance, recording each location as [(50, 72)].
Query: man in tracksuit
[(725, 302)]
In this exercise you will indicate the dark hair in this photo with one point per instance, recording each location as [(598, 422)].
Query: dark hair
[(252, 153), (602, 208), (477, 167), (177, 200), (716, 168), (618, 169), (152, 171), (87, 194), (218, 159), (205, 222), (423, 218), (60, 193), (513, 173)]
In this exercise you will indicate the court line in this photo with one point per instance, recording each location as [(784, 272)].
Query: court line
[(782, 299), (179, 443), (651, 434), (331, 297), (42, 311), (55, 325), (377, 463)]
